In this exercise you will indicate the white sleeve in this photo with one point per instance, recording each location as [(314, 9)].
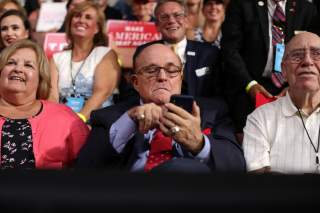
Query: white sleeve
[(255, 142)]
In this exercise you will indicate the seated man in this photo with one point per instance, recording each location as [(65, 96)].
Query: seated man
[(141, 134), (284, 136)]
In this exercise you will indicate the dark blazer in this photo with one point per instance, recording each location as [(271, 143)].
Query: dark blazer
[(199, 56), (245, 41), (225, 155), (112, 13)]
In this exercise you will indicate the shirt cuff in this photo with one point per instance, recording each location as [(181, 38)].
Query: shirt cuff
[(121, 132), (204, 154)]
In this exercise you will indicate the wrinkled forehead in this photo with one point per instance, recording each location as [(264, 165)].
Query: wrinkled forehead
[(303, 42)]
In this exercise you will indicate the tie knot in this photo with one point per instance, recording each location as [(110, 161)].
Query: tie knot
[(173, 47)]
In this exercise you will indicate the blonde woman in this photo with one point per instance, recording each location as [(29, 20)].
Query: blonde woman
[(85, 75)]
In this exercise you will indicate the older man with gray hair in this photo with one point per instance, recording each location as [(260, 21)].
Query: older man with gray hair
[(284, 136)]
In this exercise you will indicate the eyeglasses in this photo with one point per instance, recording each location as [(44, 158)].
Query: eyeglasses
[(297, 56), (166, 17), (153, 71)]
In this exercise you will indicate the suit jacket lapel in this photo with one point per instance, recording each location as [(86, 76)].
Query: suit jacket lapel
[(189, 72), (264, 22), (136, 143)]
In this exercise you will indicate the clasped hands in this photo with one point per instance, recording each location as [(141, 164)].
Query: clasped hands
[(173, 121)]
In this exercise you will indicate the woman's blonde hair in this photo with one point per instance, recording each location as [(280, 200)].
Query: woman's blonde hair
[(100, 38), (42, 64)]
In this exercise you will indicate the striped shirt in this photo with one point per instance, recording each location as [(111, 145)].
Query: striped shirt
[(274, 136)]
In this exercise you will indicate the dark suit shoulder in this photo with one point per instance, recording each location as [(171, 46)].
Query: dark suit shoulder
[(202, 46), (112, 13), (213, 103), (108, 115), (212, 109)]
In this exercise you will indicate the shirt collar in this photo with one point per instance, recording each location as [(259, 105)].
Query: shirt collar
[(181, 43), (289, 108), (272, 4), (180, 48)]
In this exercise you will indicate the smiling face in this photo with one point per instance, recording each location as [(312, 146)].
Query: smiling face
[(157, 89), (299, 66), (141, 9), (171, 22), (12, 30), (213, 11), (84, 24), (20, 73)]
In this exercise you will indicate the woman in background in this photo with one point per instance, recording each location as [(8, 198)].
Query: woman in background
[(214, 12), (194, 16), (142, 10), (6, 5), (85, 75), (14, 26), (34, 133)]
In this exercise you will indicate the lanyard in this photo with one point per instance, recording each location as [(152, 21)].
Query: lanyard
[(73, 78), (316, 150)]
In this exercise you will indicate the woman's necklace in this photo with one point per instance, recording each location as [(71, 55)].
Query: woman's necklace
[(73, 78)]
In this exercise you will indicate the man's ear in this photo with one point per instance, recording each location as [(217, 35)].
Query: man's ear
[(134, 81)]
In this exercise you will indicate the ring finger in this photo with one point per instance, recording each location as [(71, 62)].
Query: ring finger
[(167, 123)]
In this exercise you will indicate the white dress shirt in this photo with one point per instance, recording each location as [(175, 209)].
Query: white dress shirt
[(180, 49), (274, 136)]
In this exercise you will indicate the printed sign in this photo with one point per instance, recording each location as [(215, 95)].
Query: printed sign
[(54, 42), (128, 34), (51, 16)]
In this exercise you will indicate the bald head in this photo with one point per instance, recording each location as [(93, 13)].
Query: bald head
[(302, 39), (153, 53), (301, 64)]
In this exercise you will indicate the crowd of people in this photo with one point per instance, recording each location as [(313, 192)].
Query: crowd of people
[(220, 55)]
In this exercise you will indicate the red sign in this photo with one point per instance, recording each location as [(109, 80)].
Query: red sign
[(54, 42), (131, 33)]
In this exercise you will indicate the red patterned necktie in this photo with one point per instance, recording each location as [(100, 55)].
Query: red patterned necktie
[(160, 150), (278, 36)]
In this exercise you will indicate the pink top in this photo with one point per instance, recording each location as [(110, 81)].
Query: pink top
[(57, 135)]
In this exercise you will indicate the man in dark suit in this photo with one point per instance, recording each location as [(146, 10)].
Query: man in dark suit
[(151, 133), (201, 60), (248, 52)]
